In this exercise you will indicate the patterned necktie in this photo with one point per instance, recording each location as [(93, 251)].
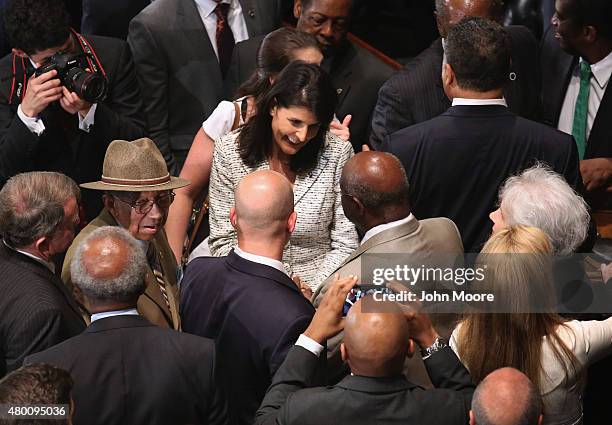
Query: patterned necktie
[(581, 112), (225, 37), (159, 276)]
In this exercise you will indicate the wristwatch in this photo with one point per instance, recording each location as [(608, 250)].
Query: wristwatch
[(437, 345)]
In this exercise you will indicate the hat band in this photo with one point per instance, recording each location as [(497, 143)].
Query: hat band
[(140, 182)]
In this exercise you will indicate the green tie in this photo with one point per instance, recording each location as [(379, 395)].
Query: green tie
[(581, 112)]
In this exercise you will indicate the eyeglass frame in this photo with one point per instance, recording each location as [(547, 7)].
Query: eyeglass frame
[(138, 208)]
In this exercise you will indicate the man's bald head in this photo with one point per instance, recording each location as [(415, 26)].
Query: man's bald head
[(263, 203), (450, 12), (109, 266), (506, 397), (375, 344), (378, 181)]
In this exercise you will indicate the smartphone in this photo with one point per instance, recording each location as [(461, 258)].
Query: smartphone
[(358, 292)]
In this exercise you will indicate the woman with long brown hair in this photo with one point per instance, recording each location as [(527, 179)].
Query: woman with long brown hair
[(525, 332)]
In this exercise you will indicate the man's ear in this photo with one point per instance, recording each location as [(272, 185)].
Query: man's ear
[(359, 207), (20, 53), (297, 9), (291, 221), (233, 218), (43, 246), (590, 34), (472, 418), (109, 204), (343, 353), (448, 75)]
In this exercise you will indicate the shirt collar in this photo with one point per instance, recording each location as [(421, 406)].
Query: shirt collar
[(261, 260), (602, 70), (208, 6), (105, 314), (45, 263), (382, 227), (459, 101)]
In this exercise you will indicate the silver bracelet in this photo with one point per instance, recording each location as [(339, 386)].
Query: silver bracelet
[(437, 345)]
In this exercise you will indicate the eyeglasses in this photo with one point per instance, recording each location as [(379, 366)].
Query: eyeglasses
[(143, 206)]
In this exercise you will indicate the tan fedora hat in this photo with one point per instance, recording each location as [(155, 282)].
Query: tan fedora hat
[(136, 166)]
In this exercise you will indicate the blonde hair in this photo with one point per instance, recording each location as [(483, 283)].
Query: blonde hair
[(521, 284)]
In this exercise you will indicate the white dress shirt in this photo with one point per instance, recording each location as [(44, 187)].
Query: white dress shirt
[(105, 314), (206, 8), (382, 227), (599, 82), (36, 125), (458, 101), (275, 264)]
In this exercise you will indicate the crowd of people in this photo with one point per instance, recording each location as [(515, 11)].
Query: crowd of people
[(189, 216)]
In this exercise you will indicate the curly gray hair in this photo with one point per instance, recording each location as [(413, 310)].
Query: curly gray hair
[(124, 287), (541, 198)]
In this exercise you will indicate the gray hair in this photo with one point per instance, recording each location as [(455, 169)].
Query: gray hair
[(32, 206), (539, 197), (127, 285)]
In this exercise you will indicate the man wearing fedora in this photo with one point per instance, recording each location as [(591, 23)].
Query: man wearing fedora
[(137, 194)]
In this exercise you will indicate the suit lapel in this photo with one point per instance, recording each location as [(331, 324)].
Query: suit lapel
[(252, 12), (601, 127), (342, 72), (561, 79), (190, 23)]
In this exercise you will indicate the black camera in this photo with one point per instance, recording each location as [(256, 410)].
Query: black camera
[(71, 72)]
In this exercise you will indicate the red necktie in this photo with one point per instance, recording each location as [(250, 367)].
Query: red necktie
[(224, 35)]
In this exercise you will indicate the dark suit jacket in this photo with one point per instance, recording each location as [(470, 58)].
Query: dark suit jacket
[(254, 312), (110, 17), (364, 400), (63, 147), (36, 309), (178, 70), (557, 69), (356, 74), (415, 94), (128, 371), (457, 161)]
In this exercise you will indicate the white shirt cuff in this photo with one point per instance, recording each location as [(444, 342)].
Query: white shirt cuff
[(35, 125), (310, 344), (86, 123)]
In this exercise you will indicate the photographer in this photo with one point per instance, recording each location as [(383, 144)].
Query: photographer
[(63, 97)]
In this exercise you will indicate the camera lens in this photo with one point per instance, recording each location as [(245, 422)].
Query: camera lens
[(89, 86)]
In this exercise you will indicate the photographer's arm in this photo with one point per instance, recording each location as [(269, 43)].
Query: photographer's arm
[(120, 115), (153, 77)]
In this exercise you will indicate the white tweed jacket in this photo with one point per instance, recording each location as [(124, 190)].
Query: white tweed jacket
[(323, 236)]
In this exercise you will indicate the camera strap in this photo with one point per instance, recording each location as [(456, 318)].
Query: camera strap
[(19, 82), (96, 65)]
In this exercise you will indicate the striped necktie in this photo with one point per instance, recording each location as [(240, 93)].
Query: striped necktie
[(157, 272), (581, 112)]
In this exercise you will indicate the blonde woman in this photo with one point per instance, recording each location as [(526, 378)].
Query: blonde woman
[(552, 352)]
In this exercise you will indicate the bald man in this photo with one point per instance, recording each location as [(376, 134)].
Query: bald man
[(125, 369), (506, 397), (415, 94), (246, 301), (377, 339), (375, 198)]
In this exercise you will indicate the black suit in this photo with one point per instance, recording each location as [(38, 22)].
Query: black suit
[(415, 94), (178, 70), (254, 312), (364, 400), (457, 161), (356, 74), (128, 371), (36, 309), (63, 147), (110, 17)]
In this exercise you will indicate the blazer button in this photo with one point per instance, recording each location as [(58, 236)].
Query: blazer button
[(251, 13)]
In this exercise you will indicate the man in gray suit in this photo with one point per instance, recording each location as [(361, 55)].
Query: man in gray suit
[(375, 198), (182, 49)]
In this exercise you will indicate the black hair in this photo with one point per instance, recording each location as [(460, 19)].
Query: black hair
[(298, 85), (479, 53), (276, 51), (36, 25), (596, 13)]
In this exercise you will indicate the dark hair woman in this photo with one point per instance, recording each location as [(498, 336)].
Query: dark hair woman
[(290, 134), (277, 49)]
